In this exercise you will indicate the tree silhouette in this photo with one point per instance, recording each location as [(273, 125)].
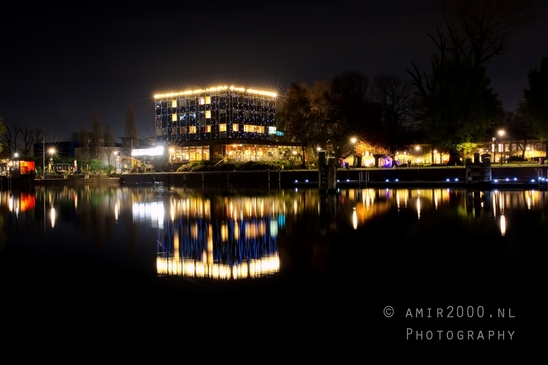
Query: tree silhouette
[(535, 105), (457, 101), (131, 138), (2, 132), (97, 139), (110, 144)]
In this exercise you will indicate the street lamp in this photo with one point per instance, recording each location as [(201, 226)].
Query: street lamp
[(501, 133), (51, 152), (117, 154)]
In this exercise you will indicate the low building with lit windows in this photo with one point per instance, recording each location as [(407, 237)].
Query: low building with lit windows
[(223, 122)]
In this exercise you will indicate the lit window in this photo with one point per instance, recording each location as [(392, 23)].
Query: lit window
[(253, 128), (208, 114), (202, 101), (173, 117), (222, 127), (174, 103), (192, 129), (235, 127), (208, 128), (208, 100)]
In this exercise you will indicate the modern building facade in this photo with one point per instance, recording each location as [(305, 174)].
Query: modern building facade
[(227, 122)]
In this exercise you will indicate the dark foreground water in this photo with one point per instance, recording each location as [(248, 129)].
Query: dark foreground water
[(317, 273)]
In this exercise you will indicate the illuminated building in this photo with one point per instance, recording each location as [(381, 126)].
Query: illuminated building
[(228, 122)]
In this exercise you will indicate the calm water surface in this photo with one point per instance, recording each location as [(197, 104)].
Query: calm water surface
[(323, 264)]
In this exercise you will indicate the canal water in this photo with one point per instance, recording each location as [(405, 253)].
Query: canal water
[(358, 266)]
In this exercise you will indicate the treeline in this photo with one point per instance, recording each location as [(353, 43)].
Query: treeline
[(451, 105), (96, 144)]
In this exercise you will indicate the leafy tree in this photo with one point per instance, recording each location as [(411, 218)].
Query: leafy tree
[(361, 147), (302, 114), (459, 105), (96, 165), (466, 149), (534, 108)]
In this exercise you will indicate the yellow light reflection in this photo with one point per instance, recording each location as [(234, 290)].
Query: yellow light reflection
[(502, 225), (52, 216)]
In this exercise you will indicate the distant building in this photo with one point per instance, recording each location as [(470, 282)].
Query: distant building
[(228, 122)]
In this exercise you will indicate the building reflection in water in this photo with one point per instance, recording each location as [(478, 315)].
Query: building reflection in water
[(217, 237), (228, 236)]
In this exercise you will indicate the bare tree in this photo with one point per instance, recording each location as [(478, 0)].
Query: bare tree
[(478, 30), (2, 132), (131, 138), (97, 139), (84, 140), (10, 139), (399, 106), (458, 102), (109, 144), (30, 137)]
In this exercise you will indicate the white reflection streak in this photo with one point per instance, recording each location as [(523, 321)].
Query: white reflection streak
[(52, 217), (116, 211), (501, 203), (418, 208), (354, 219), (495, 205), (502, 225)]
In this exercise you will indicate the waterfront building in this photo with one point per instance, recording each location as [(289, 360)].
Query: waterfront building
[(223, 122)]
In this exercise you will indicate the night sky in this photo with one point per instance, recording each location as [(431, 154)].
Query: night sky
[(59, 64)]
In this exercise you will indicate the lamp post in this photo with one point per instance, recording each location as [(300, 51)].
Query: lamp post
[(353, 140), (501, 133), (51, 152)]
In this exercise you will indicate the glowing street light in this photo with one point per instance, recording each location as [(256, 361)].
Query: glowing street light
[(501, 134), (51, 152)]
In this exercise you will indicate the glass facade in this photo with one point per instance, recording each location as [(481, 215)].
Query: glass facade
[(215, 114), (225, 122)]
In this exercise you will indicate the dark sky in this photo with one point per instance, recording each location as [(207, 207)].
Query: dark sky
[(61, 63)]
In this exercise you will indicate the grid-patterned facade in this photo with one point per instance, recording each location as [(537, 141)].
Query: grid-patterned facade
[(215, 114)]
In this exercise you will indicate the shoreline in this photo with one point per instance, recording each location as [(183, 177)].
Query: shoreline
[(508, 177)]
